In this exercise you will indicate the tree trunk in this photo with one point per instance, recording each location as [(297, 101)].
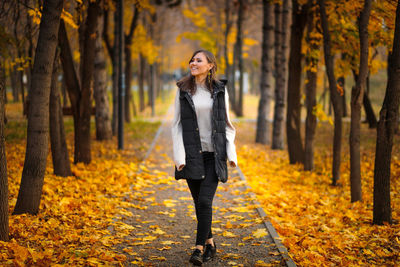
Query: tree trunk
[(64, 92), (323, 96), (30, 189), (341, 83), (311, 89), (159, 77), (152, 77), (128, 78), (357, 93), (293, 115), (384, 141), (19, 86), (151, 89), (334, 95), (369, 112), (82, 132), (148, 81), (232, 96), (281, 70), (20, 78), (128, 67), (115, 75), (103, 122), (29, 37), (228, 25), (59, 150), (3, 165), (239, 43), (3, 76), (80, 94), (142, 69), (70, 75), (262, 134), (15, 83)]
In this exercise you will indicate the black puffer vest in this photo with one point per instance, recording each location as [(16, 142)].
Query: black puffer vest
[(194, 168)]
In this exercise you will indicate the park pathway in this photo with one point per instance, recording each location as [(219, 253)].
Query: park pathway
[(164, 224)]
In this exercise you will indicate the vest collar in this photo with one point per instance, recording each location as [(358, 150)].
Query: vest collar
[(218, 87)]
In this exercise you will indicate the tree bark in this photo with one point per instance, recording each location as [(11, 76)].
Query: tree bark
[(357, 93), (128, 67), (369, 112), (152, 71), (152, 89), (29, 37), (128, 78), (3, 76), (30, 190), (262, 134), (293, 115), (384, 141), (228, 26), (80, 94), (112, 52), (311, 91), (341, 83), (281, 70), (334, 95), (239, 43), (59, 150), (70, 75), (82, 132), (15, 83), (233, 94), (103, 122), (142, 67), (4, 230)]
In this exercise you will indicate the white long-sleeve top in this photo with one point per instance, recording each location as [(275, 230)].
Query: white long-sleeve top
[(203, 103)]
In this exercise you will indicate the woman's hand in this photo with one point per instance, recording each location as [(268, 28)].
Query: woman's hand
[(232, 164), (181, 167)]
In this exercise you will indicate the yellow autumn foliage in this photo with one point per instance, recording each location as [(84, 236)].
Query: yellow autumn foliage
[(319, 112), (316, 221), (78, 221)]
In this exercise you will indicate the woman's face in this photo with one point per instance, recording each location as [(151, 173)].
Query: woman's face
[(199, 65)]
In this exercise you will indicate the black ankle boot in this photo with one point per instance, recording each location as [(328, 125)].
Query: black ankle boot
[(196, 257), (209, 252)]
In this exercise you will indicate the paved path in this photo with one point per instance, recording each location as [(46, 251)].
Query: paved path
[(164, 218)]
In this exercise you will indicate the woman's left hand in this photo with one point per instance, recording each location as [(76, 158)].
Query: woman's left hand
[(232, 164)]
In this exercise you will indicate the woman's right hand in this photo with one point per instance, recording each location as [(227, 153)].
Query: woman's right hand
[(181, 167)]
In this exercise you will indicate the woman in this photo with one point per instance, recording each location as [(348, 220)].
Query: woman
[(203, 140)]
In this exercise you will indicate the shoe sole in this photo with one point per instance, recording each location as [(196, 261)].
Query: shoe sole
[(196, 262), (209, 259)]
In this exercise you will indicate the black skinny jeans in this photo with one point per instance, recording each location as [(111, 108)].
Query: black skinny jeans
[(203, 192)]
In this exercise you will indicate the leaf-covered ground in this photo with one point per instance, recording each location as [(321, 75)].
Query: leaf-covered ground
[(83, 220), (316, 221), (76, 213), (119, 210), (164, 222)]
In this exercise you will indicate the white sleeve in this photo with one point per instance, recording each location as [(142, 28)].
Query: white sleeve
[(177, 137), (230, 134)]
